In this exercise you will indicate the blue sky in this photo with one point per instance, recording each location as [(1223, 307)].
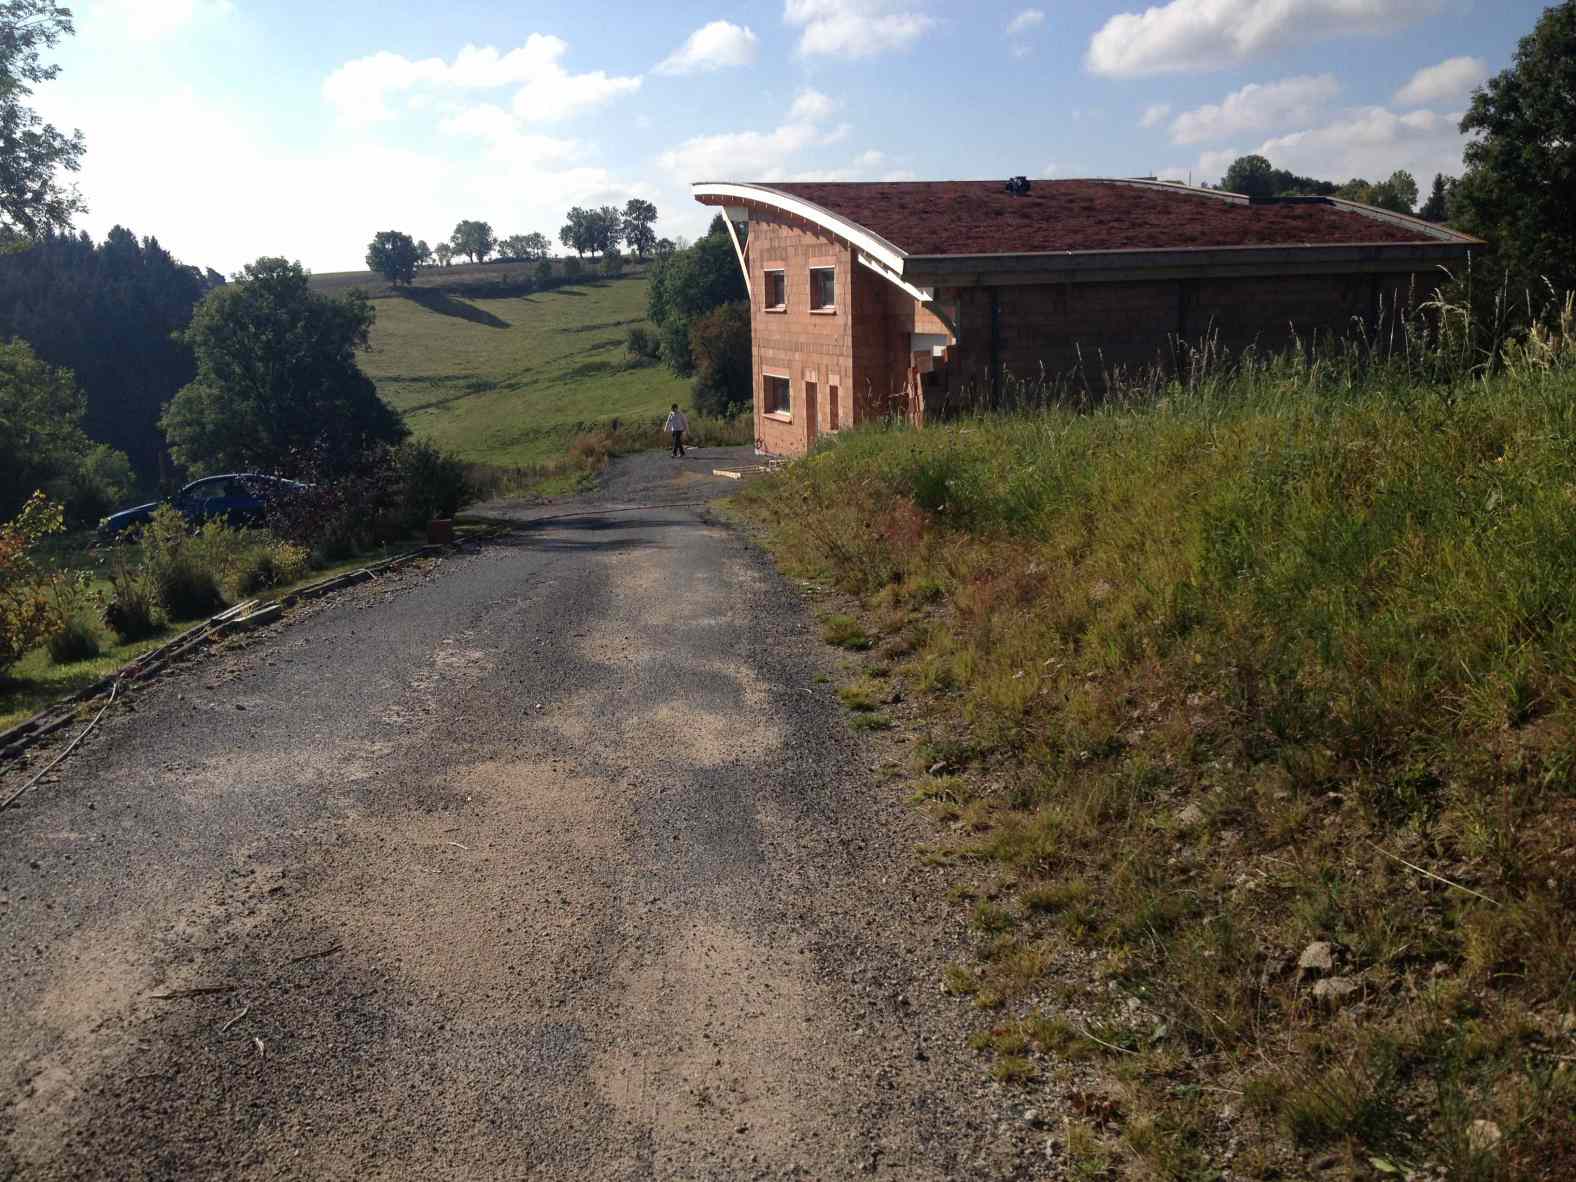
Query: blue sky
[(236, 128)]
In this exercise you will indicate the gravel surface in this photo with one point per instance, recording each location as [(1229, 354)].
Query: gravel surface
[(554, 861)]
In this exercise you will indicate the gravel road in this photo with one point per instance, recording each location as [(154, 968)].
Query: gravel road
[(555, 861)]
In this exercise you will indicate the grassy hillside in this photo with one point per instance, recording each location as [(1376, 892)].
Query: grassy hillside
[(511, 381), (1250, 724)]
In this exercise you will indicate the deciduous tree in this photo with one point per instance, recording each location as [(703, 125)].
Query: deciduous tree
[(34, 196), (277, 377), (1519, 189), (394, 255), (473, 238), (639, 217), (444, 253)]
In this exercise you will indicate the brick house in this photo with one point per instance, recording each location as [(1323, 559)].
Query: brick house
[(869, 300)]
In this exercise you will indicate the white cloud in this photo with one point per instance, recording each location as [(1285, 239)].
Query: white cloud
[(152, 19), (1369, 142), (773, 155), (1257, 107), (251, 201), (359, 89), (1029, 18), (712, 47), (811, 107), (855, 28), (870, 165), (1450, 79), (1210, 34), (1155, 115)]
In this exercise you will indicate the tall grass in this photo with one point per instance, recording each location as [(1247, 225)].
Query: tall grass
[(1273, 651)]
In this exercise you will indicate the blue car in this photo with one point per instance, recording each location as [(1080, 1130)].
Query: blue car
[(238, 498)]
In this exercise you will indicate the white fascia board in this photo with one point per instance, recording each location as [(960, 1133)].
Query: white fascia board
[(749, 289), (870, 242), (923, 294)]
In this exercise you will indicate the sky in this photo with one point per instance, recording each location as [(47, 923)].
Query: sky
[(232, 129)]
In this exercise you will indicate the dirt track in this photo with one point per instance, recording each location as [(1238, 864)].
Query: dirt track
[(554, 862)]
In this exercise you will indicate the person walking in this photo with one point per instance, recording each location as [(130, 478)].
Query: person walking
[(677, 425)]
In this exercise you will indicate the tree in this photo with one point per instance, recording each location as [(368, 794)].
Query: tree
[(512, 247), (1437, 207), (394, 256), (108, 313), (1519, 188), (687, 285), (423, 254), (1250, 175), (664, 248), (33, 154), (277, 378), (638, 219), (576, 231), (473, 238), (536, 246), (41, 440), (719, 343), (444, 253), (607, 229)]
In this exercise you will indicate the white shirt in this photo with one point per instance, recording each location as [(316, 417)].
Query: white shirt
[(677, 421)]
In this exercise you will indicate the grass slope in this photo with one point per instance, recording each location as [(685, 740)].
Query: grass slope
[(511, 381), (1253, 730)]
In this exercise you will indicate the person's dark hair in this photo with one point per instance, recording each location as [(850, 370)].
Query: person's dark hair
[(675, 406)]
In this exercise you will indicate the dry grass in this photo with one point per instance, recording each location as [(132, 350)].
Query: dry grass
[(1281, 655)]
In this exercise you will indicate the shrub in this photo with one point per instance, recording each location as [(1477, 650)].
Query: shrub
[(103, 481), (642, 342), (132, 610), (544, 273), (613, 264), (720, 347), (274, 564), (24, 598), (73, 621), (431, 483), (178, 565), (573, 268), (675, 334)]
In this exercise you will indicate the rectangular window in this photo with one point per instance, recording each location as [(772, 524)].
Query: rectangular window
[(775, 291), (823, 289), (777, 395)]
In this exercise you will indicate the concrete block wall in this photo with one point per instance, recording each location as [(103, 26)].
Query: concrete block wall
[(1051, 329)]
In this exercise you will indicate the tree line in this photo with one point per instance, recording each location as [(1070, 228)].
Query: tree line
[(397, 256)]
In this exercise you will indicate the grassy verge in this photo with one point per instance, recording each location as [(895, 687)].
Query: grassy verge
[(36, 682), (1251, 714)]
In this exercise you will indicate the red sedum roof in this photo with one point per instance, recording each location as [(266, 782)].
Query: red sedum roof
[(981, 217)]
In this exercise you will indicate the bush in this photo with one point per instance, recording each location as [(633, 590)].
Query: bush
[(720, 346), (24, 597), (675, 335), (102, 483), (73, 621), (179, 565), (641, 342), (544, 273), (132, 611), (431, 483), (275, 564), (573, 268)]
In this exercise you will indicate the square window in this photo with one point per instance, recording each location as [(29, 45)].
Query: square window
[(777, 395), (823, 289), (775, 292)]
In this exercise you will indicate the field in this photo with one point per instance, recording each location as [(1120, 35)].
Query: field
[(510, 380)]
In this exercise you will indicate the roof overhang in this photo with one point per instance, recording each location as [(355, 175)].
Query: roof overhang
[(746, 196)]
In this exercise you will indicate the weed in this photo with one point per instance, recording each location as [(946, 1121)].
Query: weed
[(845, 632), (863, 698), (870, 722), (1014, 1069)]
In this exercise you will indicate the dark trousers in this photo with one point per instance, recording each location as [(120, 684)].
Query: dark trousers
[(678, 443)]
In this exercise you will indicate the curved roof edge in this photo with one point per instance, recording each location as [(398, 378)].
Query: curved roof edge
[(866, 239)]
